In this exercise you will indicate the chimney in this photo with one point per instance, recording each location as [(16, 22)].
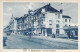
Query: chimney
[(61, 11), (30, 11)]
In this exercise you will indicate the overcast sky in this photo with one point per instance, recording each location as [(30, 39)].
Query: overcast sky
[(18, 9)]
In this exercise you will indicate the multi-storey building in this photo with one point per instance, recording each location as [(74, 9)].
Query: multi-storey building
[(42, 21), (49, 20)]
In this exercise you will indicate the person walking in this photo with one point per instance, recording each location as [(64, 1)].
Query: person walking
[(30, 35), (53, 35)]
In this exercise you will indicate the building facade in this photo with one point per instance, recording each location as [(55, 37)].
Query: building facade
[(43, 21), (71, 31)]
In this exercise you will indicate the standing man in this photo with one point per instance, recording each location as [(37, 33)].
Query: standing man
[(30, 35), (53, 35)]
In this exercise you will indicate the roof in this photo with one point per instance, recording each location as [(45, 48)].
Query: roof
[(65, 16), (71, 28), (47, 7), (72, 24), (18, 18)]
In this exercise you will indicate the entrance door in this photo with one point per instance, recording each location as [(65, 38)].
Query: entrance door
[(57, 31), (49, 31)]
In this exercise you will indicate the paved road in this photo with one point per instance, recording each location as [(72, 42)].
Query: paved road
[(21, 42)]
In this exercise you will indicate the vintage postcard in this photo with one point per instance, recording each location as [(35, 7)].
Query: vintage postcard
[(36, 26)]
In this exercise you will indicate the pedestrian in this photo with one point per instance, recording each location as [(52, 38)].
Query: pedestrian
[(53, 35), (34, 34), (30, 35), (72, 35)]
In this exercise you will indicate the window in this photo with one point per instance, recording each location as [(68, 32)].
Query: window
[(69, 20), (69, 25), (43, 10), (25, 24), (65, 20), (58, 15), (31, 18), (50, 20), (57, 21), (28, 18), (13, 31), (35, 18), (49, 31), (66, 25), (42, 21), (57, 25), (43, 14), (76, 32), (57, 31), (18, 27), (55, 14), (50, 24)]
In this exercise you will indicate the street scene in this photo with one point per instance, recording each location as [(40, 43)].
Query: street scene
[(40, 25), (39, 42)]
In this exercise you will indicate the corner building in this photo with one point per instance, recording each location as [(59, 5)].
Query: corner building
[(42, 22), (48, 20)]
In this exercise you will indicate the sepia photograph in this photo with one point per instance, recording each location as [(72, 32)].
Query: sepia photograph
[(40, 25)]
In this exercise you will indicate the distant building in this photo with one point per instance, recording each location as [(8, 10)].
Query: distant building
[(71, 31)]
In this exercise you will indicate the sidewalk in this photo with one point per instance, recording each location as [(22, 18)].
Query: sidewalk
[(56, 39)]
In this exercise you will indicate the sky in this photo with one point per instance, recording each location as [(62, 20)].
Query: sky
[(18, 9)]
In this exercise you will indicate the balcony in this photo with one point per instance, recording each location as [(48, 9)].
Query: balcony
[(39, 26)]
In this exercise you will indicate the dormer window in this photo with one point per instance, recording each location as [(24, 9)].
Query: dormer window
[(65, 20), (69, 20), (43, 10), (43, 14)]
